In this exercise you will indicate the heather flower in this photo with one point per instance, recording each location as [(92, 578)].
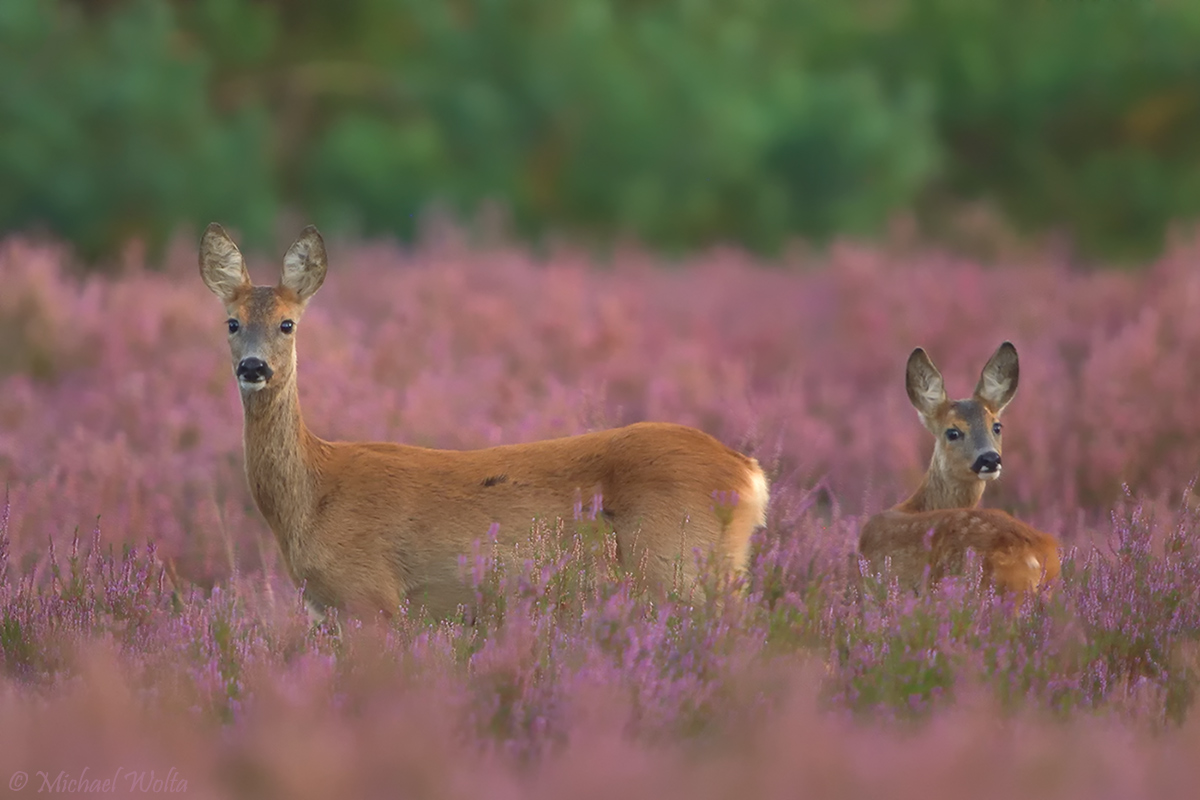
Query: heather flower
[(169, 636)]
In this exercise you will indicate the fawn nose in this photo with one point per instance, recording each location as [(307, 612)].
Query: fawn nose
[(253, 370), (986, 463)]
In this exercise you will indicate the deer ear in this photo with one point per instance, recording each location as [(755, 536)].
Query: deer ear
[(926, 390), (998, 381), (304, 264), (222, 267)]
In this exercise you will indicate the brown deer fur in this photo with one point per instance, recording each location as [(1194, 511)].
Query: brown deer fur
[(366, 526), (939, 523)]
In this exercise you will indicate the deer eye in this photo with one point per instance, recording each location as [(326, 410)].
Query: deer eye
[(234, 325), (287, 326), (996, 428), (953, 434)]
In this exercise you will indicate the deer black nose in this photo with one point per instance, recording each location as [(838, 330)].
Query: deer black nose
[(988, 462), (253, 370)]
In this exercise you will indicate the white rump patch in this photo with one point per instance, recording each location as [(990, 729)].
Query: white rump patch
[(759, 493)]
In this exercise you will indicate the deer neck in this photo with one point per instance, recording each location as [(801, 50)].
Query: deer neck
[(939, 490), (281, 460)]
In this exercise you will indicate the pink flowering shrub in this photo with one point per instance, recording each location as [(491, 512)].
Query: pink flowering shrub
[(116, 395), (164, 637)]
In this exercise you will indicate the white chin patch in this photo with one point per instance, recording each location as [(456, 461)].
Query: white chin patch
[(989, 476), (251, 386)]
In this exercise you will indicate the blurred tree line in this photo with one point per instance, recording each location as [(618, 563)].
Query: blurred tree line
[(682, 122)]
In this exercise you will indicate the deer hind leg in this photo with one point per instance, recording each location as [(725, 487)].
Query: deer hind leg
[(658, 547), (651, 548)]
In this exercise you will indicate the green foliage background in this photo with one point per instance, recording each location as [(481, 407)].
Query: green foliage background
[(682, 122)]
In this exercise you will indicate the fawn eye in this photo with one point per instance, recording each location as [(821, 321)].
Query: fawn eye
[(996, 428), (233, 325), (953, 434), (287, 326)]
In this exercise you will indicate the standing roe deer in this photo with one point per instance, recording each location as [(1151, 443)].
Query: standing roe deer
[(939, 522), (366, 525)]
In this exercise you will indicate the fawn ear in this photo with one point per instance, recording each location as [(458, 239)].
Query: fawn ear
[(222, 267), (926, 390), (998, 381), (304, 264)]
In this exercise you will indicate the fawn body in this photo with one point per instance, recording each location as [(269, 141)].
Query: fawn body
[(939, 523), (367, 525)]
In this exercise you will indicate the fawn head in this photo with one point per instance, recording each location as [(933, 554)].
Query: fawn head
[(967, 432), (262, 319)]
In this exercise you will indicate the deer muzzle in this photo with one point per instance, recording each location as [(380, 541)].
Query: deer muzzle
[(253, 370)]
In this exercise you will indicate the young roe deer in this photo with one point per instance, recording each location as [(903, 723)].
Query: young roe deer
[(365, 526), (940, 521)]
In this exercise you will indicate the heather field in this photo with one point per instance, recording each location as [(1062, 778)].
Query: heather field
[(149, 638)]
